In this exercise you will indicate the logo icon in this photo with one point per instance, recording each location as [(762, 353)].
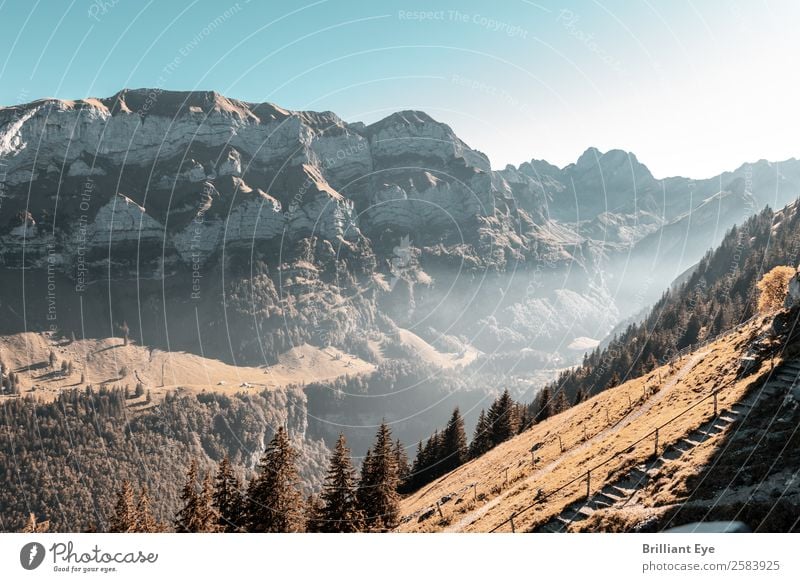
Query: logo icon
[(31, 555)]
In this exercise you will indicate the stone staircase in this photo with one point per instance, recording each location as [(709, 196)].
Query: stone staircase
[(784, 383)]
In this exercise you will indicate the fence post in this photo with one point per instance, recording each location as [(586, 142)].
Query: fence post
[(656, 444), (475, 491), (513, 528), (439, 509), (715, 402), (608, 420), (533, 458), (560, 444), (506, 481), (588, 483)]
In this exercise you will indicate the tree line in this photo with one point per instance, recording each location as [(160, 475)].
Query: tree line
[(273, 500)]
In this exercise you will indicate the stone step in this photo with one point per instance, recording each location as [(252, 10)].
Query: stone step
[(697, 436), (600, 504), (710, 427), (725, 418), (622, 492), (608, 497), (636, 473), (670, 454)]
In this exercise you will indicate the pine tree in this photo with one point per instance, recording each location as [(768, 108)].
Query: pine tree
[(543, 404), (454, 443), (190, 518), (339, 507), (145, 522), (377, 489), (274, 502), (124, 518), (561, 402), (34, 526), (227, 498), (207, 513), (313, 514), (581, 395), (502, 424), (414, 478), (482, 438), (403, 468), (525, 421), (692, 332)]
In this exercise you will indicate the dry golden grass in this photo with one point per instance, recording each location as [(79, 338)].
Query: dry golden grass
[(101, 361), (591, 432)]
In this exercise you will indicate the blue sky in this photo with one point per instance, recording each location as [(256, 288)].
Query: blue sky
[(691, 87)]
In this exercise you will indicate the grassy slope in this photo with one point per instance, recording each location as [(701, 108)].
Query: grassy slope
[(590, 433)]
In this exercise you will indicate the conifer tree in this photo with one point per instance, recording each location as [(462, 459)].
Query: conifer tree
[(403, 468), (191, 518), (502, 425), (145, 522), (339, 507), (525, 420), (614, 381), (543, 404), (207, 513), (34, 526), (482, 438), (124, 518), (274, 502), (377, 494), (581, 395), (227, 498), (454, 443), (313, 514), (561, 402)]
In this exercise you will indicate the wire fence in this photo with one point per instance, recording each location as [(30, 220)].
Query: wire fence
[(587, 476)]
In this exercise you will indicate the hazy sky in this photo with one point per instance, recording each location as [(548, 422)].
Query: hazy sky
[(692, 88)]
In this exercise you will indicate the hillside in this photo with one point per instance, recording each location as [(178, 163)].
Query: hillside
[(109, 362), (611, 434)]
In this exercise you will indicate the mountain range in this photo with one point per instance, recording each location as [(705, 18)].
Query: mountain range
[(157, 208)]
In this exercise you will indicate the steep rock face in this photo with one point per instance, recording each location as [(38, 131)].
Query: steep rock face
[(171, 154), (178, 186)]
